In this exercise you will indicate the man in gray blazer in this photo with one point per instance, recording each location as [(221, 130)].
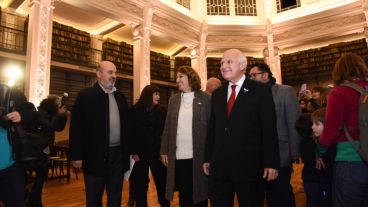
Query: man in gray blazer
[(280, 192)]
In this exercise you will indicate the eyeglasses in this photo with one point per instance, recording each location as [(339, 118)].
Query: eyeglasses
[(253, 75)]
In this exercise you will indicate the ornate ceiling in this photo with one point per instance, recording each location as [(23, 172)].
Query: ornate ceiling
[(316, 23)]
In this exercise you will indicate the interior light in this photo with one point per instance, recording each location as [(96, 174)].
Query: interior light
[(11, 83), (13, 72), (193, 52)]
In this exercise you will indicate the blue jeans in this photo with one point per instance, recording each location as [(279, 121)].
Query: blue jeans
[(350, 184), (318, 194)]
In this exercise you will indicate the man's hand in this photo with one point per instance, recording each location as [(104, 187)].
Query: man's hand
[(14, 117), (77, 164), (270, 174), (165, 160), (136, 158), (206, 168)]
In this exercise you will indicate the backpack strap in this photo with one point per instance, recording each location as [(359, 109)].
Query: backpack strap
[(362, 146), (351, 140), (363, 92)]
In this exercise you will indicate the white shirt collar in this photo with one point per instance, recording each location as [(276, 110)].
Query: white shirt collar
[(239, 83), (112, 91), (237, 88)]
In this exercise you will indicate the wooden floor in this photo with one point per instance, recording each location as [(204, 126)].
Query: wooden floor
[(58, 193)]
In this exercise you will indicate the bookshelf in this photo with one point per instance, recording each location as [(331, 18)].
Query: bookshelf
[(70, 45), (112, 51), (315, 64), (160, 67), (120, 53), (213, 68), (181, 61), (127, 53)]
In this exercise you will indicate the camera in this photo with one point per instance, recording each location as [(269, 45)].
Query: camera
[(64, 99)]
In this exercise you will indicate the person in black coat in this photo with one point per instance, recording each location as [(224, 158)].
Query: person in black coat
[(99, 132), (242, 144), (15, 111), (51, 117), (148, 121)]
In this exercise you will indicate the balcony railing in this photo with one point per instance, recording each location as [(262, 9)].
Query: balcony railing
[(13, 40)]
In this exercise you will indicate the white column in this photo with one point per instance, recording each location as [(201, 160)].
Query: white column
[(37, 82), (198, 56), (141, 53), (271, 59)]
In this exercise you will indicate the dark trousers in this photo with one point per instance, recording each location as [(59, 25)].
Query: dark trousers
[(350, 184), (113, 182), (222, 192), (184, 183), (13, 186), (140, 179), (280, 192), (318, 194), (35, 196)]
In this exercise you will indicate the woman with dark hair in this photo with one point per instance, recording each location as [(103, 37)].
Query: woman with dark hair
[(350, 179), (149, 119), (51, 117), (184, 138)]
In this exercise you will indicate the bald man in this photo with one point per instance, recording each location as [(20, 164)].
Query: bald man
[(242, 143), (98, 137), (212, 84)]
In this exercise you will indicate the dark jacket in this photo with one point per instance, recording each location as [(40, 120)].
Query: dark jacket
[(147, 130), (14, 100), (239, 147), (49, 123), (89, 130)]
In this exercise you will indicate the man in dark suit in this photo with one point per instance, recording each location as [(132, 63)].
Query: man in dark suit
[(242, 145), (98, 137)]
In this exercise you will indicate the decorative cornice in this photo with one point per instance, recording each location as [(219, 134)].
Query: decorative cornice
[(234, 38), (320, 28), (175, 29)]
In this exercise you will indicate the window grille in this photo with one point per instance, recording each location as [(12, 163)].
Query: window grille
[(218, 7), (245, 8)]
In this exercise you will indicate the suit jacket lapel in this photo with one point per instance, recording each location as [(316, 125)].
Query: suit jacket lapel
[(239, 102)]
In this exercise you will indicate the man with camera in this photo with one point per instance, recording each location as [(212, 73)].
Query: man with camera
[(14, 110)]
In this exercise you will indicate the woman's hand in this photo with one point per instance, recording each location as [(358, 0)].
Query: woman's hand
[(165, 160)]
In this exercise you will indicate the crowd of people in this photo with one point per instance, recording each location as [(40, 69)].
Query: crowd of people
[(240, 137)]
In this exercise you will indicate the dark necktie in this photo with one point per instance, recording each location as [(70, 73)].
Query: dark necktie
[(231, 101)]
